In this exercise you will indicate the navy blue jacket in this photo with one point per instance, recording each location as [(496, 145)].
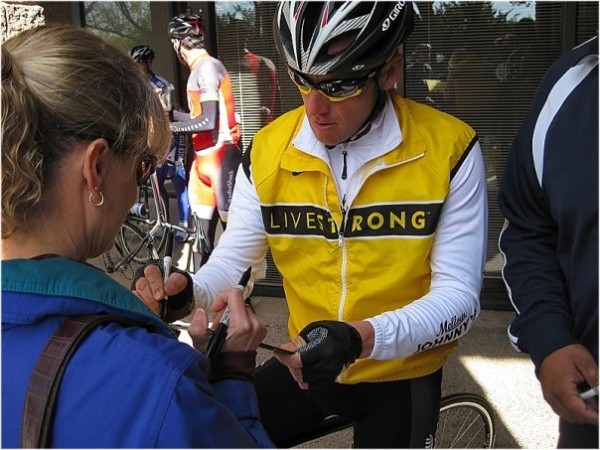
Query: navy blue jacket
[(124, 386), (549, 196)]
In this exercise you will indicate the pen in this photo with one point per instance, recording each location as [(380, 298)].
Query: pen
[(167, 266), (218, 339), (274, 348), (590, 393), (180, 325)]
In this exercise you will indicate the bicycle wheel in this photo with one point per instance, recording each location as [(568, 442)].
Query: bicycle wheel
[(113, 261), (129, 246), (466, 421), (136, 244)]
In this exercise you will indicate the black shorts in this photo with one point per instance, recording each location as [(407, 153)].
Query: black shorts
[(394, 414)]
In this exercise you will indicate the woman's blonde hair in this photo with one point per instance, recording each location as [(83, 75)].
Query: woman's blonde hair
[(62, 85)]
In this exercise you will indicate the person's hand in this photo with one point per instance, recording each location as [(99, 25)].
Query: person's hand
[(148, 284), (324, 350), (198, 330), (293, 362), (560, 375), (245, 330)]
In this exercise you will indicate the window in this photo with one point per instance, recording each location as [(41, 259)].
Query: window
[(123, 24), (245, 43), (127, 24), (482, 62), (261, 85)]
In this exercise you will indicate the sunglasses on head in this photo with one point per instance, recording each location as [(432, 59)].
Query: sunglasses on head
[(333, 90), (145, 168)]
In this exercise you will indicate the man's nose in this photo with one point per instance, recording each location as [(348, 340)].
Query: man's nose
[(316, 103)]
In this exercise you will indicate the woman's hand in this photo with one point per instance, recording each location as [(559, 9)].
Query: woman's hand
[(198, 330), (245, 330)]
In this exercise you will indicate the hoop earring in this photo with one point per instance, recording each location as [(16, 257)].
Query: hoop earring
[(100, 203)]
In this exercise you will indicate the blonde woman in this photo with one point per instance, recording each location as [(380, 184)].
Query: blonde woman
[(81, 129)]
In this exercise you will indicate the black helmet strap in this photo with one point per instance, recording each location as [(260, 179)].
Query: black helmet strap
[(178, 52)]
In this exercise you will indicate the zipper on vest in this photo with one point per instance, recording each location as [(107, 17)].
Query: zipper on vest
[(342, 227), (345, 167)]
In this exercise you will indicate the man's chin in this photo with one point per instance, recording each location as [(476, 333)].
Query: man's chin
[(330, 143), (327, 139)]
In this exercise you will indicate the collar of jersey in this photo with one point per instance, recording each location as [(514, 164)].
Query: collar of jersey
[(200, 54), (59, 276)]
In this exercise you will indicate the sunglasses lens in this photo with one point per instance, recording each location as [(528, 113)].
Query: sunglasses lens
[(301, 83), (145, 169), (334, 90), (342, 89)]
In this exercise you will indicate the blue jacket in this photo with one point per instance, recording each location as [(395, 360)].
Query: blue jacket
[(549, 196), (124, 387)]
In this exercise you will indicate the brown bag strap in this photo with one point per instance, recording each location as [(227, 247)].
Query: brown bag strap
[(47, 373)]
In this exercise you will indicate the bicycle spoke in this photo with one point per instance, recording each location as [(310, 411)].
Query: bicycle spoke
[(464, 429)]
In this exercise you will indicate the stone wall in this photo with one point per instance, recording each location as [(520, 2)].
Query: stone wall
[(17, 17)]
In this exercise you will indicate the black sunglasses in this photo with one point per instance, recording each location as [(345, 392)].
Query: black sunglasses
[(333, 90)]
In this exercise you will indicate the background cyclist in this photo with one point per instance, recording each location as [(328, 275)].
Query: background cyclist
[(175, 165), (212, 121)]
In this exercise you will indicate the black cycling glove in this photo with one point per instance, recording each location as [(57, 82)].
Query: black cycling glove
[(331, 346), (177, 306)]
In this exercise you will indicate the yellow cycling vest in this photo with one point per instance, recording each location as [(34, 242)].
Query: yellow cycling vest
[(376, 258)]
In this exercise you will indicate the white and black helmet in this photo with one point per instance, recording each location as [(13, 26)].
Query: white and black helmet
[(141, 53), (305, 29), (187, 27)]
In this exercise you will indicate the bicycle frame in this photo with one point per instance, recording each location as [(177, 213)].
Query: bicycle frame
[(159, 207), (147, 239)]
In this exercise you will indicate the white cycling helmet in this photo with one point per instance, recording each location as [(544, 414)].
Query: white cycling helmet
[(304, 31), (142, 53)]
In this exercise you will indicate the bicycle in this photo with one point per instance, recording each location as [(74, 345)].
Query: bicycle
[(143, 234), (466, 420)]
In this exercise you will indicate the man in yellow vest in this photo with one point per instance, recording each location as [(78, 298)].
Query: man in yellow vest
[(374, 209)]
